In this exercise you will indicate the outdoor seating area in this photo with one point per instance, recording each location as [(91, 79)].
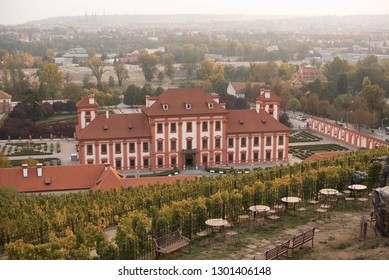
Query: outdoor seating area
[(260, 218)]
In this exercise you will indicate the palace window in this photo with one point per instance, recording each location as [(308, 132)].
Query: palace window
[(103, 149), (173, 128), (132, 147), (159, 128), (89, 150)]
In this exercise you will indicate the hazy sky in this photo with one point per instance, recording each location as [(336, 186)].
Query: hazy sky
[(20, 11)]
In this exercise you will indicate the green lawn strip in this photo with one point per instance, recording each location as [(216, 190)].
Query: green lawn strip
[(18, 162), (59, 118)]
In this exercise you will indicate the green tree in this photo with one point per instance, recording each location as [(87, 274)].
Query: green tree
[(293, 105), (51, 80), (374, 174), (206, 69), (72, 91), (374, 97), (148, 62), (133, 96), (168, 63), (111, 81), (97, 66), (4, 161), (333, 69), (190, 57), (121, 72), (342, 84), (30, 161), (32, 104)]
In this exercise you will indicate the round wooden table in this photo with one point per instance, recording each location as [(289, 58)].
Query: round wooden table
[(329, 192), (260, 209), (216, 222), (291, 200), (357, 187)]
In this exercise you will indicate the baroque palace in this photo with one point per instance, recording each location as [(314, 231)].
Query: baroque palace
[(182, 128)]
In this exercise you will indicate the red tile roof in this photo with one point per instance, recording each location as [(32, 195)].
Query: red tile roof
[(84, 102), (320, 156), (110, 179), (116, 127), (241, 86), (75, 178), (245, 121), (272, 96), (176, 100), (55, 178), (4, 95), (145, 181)]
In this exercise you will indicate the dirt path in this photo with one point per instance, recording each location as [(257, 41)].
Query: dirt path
[(336, 239)]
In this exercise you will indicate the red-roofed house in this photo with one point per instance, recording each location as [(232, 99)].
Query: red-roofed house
[(73, 178), (307, 74), (183, 128), (5, 102)]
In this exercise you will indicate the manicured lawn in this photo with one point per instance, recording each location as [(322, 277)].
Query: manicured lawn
[(60, 118)]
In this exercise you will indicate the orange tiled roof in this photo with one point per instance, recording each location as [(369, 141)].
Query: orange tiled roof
[(117, 127), (272, 97), (241, 86), (110, 179), (4, 95), (244, 121), (75, 178), (144, 181), (55, 178), (84, 102), (320, 156), (176, 100)]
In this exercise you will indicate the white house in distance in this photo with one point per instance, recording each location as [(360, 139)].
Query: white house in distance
[(183, 128), (238, 89)]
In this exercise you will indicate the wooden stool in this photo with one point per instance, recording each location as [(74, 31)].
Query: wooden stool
[(363, 200), (301, 210), (349, 200), (274, 218), (321, 211), (243, 218), (231, 236), (278, 207), (313, 203)]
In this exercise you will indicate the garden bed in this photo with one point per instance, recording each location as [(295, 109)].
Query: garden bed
[(305, 151), (303, 136)]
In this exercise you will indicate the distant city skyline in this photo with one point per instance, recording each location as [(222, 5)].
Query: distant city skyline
[(22, 11)]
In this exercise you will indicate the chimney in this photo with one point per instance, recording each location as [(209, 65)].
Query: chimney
[(39, 169), (106, 114), (106, 166), (25, 170)]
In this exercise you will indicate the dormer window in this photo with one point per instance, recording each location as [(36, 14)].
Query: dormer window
[(188, 106), (165, 107), (210, 105)]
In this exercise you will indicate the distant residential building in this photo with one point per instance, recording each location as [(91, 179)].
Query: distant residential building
[(5, 102), (238, 89), (79, 54), (183, 128), (213, 56), (152, 51), (272, 48), (308, 74)]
